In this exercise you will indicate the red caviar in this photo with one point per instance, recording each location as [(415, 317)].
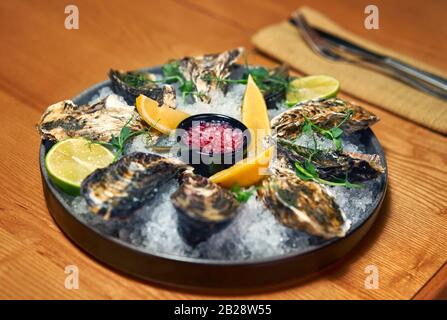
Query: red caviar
[(213, 137)]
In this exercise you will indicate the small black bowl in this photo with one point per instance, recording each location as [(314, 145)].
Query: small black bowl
[(204, 163)]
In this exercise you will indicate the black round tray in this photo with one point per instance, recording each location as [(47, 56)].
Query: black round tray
[(196, 273)]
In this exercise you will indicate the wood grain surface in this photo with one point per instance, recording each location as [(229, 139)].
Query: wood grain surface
[(41, 62)]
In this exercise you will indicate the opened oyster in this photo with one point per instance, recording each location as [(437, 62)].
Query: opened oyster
[(98, 122), (355, 167), (205, 71), (303, 205), (204, 208), (165, 97), (125, 186), (326, 114), (131, 84)]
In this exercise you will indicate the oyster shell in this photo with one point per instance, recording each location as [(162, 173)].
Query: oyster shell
[(202, 199), (325, 113), (166, 96), (303, 205), (356, 167), (126, 185), (98, 122), (203, 208), (202, 70), (131, 84)]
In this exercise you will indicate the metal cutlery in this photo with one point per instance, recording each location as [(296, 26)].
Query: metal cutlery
[(337, 49)]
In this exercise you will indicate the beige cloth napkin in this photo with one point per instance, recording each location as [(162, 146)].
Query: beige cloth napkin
[(283, 42)]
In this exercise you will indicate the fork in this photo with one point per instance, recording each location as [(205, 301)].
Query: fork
[(419, 79)]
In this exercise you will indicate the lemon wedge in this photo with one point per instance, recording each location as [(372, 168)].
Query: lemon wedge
[(162, 118)]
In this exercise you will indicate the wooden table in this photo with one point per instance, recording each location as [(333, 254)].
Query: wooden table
[(41, 62)]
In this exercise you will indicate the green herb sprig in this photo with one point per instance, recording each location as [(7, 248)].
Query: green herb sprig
[(333, 134), (172, 74), (242, 195), (136, 79), (309, 172), (306, 170), (266, 80), (117, 143)]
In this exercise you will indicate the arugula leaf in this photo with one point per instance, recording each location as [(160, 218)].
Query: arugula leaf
[(124, 134), (302, 172), (307, 128), (310, 168), (114, 141), (290, 104), (302, 176), (135, 79), (336, 132), (259, 75), (242, 195), (268, 81), (118, 143), (338, 144), (172, 74), (171, 71), (344, 182), (187, 86), (308, 172), (333, 134), (349, 113)]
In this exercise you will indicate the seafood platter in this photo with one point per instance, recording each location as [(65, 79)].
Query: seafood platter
[(209, 172)]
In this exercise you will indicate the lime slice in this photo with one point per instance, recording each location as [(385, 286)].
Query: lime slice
[(68, 162), (312, 87)]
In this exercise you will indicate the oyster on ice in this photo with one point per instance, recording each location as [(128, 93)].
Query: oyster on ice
[(200, 198), (203, 70), (203, 208), (356, 167), (303, 205), (133, 83), (126, 185), (326, 114), (98, 122)]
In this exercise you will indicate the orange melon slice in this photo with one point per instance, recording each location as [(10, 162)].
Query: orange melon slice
[(246, 172), (255, 117)]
